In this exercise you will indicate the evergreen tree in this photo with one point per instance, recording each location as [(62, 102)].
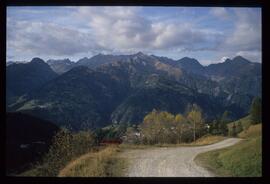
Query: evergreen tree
[(223, 123), (214, 128), (240, 127), (256, 110), (225, 117), (233, 130)]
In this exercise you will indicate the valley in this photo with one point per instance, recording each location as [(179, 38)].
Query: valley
[(137, 100), (133, 91)]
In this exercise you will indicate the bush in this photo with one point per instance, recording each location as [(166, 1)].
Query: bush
[(99, 164), (256, 110), (65, 147)]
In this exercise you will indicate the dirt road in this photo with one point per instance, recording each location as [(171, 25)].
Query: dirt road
[(170, 162)]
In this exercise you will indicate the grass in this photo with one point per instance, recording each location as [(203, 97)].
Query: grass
[(242, 160), (205, 140), (66, 146), (134, 146), (208, 139), (100, 164), (245, 121), (252, 131), (107, 163)]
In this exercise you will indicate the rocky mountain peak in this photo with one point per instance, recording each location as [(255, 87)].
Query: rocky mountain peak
[(37, 60)]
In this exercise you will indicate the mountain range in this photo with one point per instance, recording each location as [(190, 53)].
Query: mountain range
[(105, 89)]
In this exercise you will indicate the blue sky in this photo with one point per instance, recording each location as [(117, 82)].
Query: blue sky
[(209, 34)]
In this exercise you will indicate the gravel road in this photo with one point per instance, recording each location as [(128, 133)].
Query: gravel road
[(171, 161)]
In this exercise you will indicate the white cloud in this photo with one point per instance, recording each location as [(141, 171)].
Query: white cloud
[(247, 32), (125, 30), (40, 38), (220, 12), (206, 62), (223, 59), (254, 56)]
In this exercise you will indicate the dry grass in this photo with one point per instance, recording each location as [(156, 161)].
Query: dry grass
[(252, 131), (135, 146), (100, 164), (208, 139), (205, 140), (246, 122), (107, 163)]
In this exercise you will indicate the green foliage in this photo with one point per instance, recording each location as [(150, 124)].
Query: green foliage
[(225, 117), (223, 123), (214, 129), (233, 130), (223, 129), (82, 142), (114, 131), (245, 122), (256, 110), (220, 126), (242, 160), (252, 131), (240, 127)]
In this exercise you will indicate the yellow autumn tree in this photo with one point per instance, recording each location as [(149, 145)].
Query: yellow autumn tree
[(180, 127), (195, 118), (156, 127)]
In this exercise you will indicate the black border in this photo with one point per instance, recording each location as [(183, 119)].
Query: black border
[(194, 3), (239, 3)]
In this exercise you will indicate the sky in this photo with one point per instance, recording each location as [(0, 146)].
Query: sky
[(208, 34)]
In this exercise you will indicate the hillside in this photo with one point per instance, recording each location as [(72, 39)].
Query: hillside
[(23, 78), (123, 89), (27, 139), (240, 125), (243, 159)]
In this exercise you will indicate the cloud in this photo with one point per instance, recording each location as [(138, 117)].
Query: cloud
[(254, 56), (220, 12), (124, 28), (121, 28), (186, 37), (46, 38), (82, 31), (247, 32), (223, 59)]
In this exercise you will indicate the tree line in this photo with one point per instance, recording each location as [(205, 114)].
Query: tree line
[(161, 127)]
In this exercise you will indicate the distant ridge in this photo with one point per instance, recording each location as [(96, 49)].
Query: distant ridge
[(108, 89)]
